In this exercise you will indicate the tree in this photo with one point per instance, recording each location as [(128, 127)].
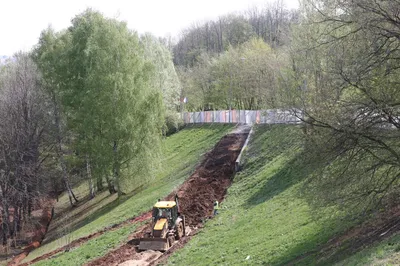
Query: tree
[(114, 114), (164, 76), (25, 127), (244, 77), (49, 57), (347, 71), (271, 24)]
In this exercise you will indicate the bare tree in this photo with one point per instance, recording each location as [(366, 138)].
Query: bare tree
[(23, 123), (351, 95)]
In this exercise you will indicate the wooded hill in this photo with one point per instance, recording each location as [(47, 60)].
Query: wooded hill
[(91, 103)]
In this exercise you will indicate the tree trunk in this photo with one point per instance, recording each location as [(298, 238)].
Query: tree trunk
[(15, 225), (99, 181), (4, 224), (116, 168), (89, 176), (110, 185), (19, 225), (61, 155)]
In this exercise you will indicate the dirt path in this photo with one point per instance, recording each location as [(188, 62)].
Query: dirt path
[(208, 183)]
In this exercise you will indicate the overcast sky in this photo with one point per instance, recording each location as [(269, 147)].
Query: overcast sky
[(21, 21)]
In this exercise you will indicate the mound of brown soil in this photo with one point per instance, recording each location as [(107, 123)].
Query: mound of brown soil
[(211, 180)]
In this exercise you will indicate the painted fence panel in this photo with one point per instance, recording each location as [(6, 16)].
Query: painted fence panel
[(271, 116)]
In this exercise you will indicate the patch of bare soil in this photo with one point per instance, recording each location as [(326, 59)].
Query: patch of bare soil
[(142, 259), (208, 183)]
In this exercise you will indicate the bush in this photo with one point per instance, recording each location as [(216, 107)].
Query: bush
[(173, 123)]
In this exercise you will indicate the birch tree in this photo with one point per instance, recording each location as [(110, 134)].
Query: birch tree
[(113, 112), (49, 57)]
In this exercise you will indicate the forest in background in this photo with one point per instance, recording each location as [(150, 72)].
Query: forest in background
[(91, 103)]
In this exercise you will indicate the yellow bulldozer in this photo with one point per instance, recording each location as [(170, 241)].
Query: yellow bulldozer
[(167, 226)]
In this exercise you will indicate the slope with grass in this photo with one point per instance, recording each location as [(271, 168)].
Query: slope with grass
[(181, 153), (265, 219), (386, 253)]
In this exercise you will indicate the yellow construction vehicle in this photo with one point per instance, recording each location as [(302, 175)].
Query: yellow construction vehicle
[(167, 226)]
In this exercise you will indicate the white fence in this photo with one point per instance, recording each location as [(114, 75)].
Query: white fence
[(273, 116)]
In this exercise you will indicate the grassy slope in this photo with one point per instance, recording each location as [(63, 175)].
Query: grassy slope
[(386, 252), (182, 151), (92, 249), (264, 219)]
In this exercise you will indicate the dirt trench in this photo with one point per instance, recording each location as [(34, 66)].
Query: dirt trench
[(210, 180), (208, 183)]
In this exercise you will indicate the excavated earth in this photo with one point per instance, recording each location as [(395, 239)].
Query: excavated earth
[(208, 183)]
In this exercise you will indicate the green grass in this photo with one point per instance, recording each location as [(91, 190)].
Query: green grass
[(386, 252), (181, 152), (264, 219), (92, 249), (69, 219)]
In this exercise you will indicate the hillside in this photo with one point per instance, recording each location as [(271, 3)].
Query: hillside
[(266, 218), (114, 218), (86, 110)]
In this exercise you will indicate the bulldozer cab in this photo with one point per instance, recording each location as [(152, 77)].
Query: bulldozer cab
[(167, 210)]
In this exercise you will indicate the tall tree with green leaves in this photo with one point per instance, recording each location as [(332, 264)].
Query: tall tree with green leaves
[(49, 58), (113, 111), (116, 112), (164, 76)]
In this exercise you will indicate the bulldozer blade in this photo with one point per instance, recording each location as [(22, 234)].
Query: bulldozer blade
[(134, 242), (160, 244)]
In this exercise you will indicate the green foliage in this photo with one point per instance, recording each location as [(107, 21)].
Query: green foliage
[(96, 69), (173, 122), (238, 30), (245, 77), (164, 76), (271, 23)]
